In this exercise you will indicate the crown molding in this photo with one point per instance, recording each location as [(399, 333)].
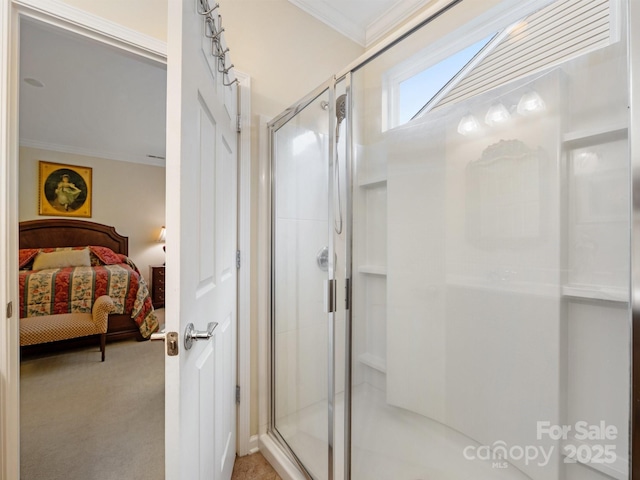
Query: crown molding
[(397, 14), (89, 23), (392, 18), (331, 17), (90, 152)]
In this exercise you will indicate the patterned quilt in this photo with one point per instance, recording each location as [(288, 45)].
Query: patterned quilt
[(75, 289)]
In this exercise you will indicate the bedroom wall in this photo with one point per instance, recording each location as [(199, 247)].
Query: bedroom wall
[(129, 196)]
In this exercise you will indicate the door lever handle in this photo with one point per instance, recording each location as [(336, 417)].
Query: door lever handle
[(191, 334)]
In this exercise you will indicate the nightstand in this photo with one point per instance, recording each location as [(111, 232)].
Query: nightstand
[(157, 285)]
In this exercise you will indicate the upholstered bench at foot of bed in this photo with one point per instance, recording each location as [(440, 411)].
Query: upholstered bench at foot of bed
[(51, 328)]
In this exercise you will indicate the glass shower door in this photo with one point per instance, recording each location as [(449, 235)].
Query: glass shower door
[(491, 247), (300, 268)]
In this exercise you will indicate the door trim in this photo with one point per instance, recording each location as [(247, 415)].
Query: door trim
[(89, 25), (244, 445), (9, 365)]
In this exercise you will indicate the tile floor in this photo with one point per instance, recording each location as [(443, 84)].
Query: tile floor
[(253, 467)]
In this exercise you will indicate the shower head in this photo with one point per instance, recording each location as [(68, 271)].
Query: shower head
[(341, 108), (341, 113)]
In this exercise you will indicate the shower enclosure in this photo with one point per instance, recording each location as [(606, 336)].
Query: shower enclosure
[(451, 224)]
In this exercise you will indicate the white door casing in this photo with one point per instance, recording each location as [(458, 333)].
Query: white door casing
[(9, 344), (201, 208)]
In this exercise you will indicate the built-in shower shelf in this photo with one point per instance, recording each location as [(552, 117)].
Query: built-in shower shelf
[(373, 182), (593, 136), (609, 294), (373, 269), (373, 361)]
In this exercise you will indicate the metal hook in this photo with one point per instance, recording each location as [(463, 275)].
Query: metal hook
[(217, 35), (210, 31), (204, 4), (222, 61), (221, 54), (235, 80), (208, 21)]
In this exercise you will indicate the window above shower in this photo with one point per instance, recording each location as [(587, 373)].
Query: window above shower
[(460, 66), (420, 90)]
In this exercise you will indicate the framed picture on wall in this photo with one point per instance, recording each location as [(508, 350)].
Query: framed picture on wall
[(64, 190)]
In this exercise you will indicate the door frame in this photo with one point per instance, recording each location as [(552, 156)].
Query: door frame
[(245, 443), (73, 20), (61, 15)]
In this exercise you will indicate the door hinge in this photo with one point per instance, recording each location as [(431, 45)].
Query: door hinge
[(9, 309), (238, 394), (238, 123), (237, 258)]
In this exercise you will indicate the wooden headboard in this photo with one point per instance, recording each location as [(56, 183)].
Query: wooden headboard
[(60, 232)]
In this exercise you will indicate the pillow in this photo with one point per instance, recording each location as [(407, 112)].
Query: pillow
[(106, 255), (60, 249), (25, 256), (61, 259)]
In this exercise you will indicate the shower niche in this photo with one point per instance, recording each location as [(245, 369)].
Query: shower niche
[(370, 266)]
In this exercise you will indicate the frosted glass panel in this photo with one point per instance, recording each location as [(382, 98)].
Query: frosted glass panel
[(491, 256)]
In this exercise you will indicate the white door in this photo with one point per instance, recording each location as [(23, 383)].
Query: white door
[(201, 249)]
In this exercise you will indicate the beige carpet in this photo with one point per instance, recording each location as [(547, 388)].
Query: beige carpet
[(82, 419)]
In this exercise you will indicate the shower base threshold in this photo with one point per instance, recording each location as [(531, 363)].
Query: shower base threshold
[(387, 442)]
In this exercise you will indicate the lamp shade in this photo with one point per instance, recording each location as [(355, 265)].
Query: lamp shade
[(163, 234)]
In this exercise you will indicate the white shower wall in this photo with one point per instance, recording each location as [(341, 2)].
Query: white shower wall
[(301, 226)]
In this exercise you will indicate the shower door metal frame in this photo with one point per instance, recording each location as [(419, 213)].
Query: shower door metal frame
[(273, 127), (348, 239), (633, 55)]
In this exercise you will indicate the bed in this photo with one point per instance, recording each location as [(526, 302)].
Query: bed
[(53, 291)]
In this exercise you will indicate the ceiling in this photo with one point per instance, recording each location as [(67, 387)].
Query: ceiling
[(363, 21), (99, 101), (96, 100)]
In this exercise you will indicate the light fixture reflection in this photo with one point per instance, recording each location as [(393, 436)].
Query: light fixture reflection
[(468, 124), (497, 114), (162, 238), (530, 103)]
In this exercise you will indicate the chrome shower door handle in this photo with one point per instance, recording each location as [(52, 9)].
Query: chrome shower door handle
[(191, 334)]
